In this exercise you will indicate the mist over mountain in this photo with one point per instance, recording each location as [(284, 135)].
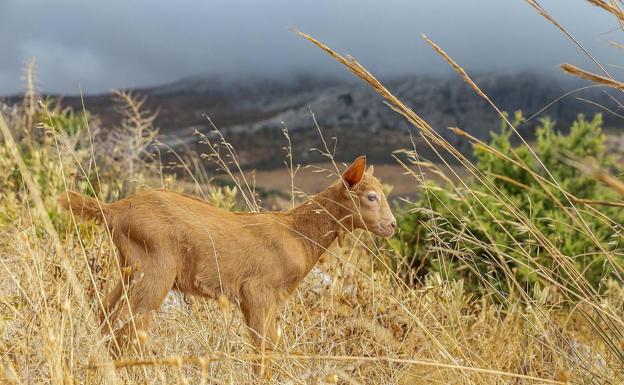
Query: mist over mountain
[(98, 46)]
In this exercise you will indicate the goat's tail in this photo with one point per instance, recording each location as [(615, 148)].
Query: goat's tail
[(83, 206)]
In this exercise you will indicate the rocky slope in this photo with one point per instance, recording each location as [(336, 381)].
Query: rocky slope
[(251, 113)]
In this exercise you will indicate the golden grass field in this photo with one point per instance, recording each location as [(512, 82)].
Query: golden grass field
[(352, 321)]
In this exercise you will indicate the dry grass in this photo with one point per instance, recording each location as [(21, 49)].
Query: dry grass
[(353, 321), (613, 8), (348, 320), (575, 71)]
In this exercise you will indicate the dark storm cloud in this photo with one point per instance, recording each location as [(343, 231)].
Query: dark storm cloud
[(101, 45)]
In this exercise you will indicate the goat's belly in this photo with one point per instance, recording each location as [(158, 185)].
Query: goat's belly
[(213, 283), (205, 289)]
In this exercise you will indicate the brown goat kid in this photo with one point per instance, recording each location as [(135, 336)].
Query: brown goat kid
[(167, 240)]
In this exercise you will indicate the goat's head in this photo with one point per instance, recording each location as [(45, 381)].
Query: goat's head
[(364, 198)]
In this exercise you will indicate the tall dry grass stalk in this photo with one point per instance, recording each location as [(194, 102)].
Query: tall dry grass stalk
[(31, 95), (575, 71), (613, 8)]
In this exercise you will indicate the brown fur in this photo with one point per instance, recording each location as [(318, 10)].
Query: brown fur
[(174, 241)]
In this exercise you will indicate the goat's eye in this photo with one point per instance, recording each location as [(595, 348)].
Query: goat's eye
[(372, 197)]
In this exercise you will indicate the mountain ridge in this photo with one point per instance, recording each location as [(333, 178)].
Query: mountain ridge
[(252, 113)]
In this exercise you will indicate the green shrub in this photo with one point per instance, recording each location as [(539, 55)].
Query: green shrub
[(467, 231)]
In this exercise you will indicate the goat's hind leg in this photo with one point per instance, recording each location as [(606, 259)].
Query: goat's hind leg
[(150, 281), (113, 301), (111, 305), (110, 313), (147, 290)]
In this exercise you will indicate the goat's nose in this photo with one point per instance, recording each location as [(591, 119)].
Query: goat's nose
[(393, 224)]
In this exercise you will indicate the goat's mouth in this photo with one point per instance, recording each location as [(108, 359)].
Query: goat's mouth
[(384, 231)]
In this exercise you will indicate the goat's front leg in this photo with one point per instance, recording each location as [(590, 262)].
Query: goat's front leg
[(262, 323)]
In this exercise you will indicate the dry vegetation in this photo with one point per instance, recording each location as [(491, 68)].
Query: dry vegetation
[(353, 321)]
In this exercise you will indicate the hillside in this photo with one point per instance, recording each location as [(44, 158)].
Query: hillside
[(250, 112)]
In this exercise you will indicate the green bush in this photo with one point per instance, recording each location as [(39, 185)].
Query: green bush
[(468, 231), (51, 141)]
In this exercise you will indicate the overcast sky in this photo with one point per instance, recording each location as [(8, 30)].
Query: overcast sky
[(101, 45)]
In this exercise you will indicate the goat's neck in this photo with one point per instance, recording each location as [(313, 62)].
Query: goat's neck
[(318, 221)]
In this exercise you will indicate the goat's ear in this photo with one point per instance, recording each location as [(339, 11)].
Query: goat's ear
[(353, 175), (370, 170)]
